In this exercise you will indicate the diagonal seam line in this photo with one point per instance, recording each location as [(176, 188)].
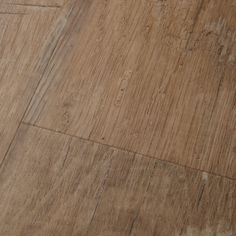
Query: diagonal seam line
[(142, 155)]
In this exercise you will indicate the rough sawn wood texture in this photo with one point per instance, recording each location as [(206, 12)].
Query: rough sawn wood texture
[(117, 117), (154, 77), (52, 184)]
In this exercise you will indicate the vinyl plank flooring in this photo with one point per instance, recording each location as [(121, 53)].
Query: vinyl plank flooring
[(53, 184), (172, 201), (28, 38), (154, 77)]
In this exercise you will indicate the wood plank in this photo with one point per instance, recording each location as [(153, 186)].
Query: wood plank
[(28, 39), (52, 184), (154, 77), (125, 188), (188, 202), (177, 201)]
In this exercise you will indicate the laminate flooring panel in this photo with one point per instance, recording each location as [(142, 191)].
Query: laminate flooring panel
[(28, 38), (53, 184), (153, 77)]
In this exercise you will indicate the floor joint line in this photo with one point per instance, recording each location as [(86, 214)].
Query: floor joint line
[(130, 151)]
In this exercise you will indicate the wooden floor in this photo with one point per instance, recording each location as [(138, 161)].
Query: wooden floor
[(118, 117)]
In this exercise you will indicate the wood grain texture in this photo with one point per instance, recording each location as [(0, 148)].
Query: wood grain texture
[(154, 77), (55, 184), (52, 184), (144, 197), (36, 3), (28, 39), (97, 98)]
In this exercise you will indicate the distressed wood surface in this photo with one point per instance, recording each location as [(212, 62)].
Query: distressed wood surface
[(53, 184), (117, 117), (22, 38), (154, 77), (29, 36)]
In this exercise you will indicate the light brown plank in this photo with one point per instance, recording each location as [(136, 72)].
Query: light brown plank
[(51, 184), (189, 203), (177, 201), (155, 77), (29, 37)]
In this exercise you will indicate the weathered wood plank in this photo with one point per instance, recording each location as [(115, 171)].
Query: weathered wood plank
[(29, 37), (154, 77), (166, 200), (52, 184)]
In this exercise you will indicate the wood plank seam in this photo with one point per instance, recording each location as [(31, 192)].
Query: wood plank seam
[(80, 14), (174, 115), (130, 151), (106, 149), (52, 53), (140, 196)]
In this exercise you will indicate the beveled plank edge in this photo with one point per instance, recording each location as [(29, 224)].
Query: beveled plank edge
[(136, 154)]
